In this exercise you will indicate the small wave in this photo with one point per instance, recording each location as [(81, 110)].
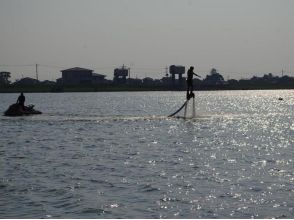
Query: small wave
[(77, 118), (97, 211), (16, 157), (103, 182), (169, 199), (68, 205), (149, 188), (2, 186)]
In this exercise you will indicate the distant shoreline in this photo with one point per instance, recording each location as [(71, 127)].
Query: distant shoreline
[(125, 88)]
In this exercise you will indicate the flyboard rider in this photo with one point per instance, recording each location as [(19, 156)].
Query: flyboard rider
[(190, 93), (190, 88)]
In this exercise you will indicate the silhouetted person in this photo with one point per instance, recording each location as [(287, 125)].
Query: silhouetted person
[(190, 88), (21, 100)]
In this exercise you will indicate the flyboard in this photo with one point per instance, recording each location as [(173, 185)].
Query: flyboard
[(185, 105)]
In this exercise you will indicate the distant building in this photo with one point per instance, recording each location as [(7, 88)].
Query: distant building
[(59, 81), (214, 78), (120, 75), (4, 76), (177, 70), (98, 78), (77, 76)]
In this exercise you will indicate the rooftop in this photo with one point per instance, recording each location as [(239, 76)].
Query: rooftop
[(76, 69)]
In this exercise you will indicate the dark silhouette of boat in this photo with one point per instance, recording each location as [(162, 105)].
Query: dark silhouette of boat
[(17, 110)]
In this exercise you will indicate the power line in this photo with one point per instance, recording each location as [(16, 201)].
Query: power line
[(18, 65), (51, 66)]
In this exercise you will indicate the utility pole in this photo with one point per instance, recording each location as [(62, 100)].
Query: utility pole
[(37, 77), (166, 71), (282, 72)]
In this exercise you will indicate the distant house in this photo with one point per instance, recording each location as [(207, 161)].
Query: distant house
[(27, 81), (98, 78), (214, 78), (77, 76), (59, 81)]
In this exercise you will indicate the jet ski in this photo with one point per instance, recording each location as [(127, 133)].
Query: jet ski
[(18, 110)]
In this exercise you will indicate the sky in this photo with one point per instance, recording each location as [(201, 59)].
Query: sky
[(240, 38)]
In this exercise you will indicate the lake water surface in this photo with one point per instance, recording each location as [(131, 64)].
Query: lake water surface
[(117, 155)]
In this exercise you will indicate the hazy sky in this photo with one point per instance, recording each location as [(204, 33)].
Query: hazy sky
[(237, 37)]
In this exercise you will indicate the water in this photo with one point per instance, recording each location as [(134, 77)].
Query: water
[(116, 155)]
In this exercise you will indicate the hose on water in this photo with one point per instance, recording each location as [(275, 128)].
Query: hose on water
[(179, 109)]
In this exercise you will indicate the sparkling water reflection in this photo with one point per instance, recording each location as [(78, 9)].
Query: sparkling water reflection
[(110, 155)]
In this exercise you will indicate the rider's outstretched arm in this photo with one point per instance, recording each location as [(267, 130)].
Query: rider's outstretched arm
[(197, 75)]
